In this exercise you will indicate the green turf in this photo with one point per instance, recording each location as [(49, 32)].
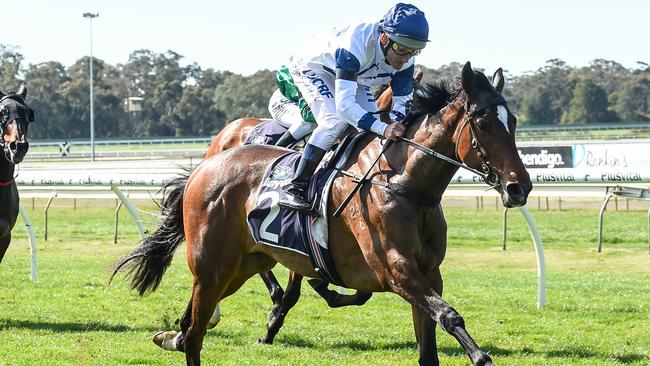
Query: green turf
[(598, 310)]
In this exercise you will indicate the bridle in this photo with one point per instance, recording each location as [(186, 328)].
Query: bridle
[(489, 174), (9, 112)]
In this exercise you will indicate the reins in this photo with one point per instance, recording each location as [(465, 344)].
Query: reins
[(487, 175)]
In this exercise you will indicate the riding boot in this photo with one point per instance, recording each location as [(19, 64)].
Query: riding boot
[(296, 196), (286, 140)]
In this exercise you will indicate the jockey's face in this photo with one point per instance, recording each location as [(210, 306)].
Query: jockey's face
[(396, 60), (397, 55)]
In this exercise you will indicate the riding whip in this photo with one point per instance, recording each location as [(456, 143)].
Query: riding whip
[(361, 181)]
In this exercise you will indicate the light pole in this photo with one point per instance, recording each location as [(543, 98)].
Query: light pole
[(90, 16)]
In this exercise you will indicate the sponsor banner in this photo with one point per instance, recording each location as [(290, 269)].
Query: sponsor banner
[(568, 175), (95, 179), (548, 157), (629, 156)]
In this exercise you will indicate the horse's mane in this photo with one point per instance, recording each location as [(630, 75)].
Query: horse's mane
[(429, 98)]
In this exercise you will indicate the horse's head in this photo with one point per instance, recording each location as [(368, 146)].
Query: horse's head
[(15, 117), (485, 139)]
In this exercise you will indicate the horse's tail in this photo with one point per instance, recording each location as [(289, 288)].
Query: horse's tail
[(147, 264)]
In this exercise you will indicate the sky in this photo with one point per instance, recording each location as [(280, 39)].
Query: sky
[(246, 36)]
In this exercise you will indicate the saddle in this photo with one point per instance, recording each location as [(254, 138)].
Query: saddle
[(275, 226)]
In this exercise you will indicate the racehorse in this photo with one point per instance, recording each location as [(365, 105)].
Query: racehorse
[(233, 135), (15, 117), (385, 240)]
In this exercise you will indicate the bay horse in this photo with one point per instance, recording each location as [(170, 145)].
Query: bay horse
[(15, 117), (233, 135), (383, 241)]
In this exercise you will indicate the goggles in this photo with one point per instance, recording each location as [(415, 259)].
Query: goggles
[(403, 50)]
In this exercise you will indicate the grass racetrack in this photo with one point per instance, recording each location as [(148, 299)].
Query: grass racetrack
[(597, 313)]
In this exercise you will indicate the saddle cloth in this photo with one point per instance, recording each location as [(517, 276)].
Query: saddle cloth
[(276, 226), (266, 133)]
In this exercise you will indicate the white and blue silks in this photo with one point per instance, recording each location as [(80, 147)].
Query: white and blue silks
[(337, 103)]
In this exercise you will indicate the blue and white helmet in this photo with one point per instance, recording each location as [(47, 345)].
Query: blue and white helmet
[(406, 25)]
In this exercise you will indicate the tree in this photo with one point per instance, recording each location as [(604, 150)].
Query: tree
[(10, 67), (238, 96), (606, 74), (109, 116), (44, 96), (446, 72), (632, 99), (159, 79), (589, 104), (196, 114), (537, 107)]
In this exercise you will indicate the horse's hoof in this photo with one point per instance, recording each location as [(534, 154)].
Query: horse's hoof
[(166, 340), (263, 341)]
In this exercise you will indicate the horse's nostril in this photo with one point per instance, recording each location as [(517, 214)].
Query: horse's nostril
[(514, 189), (22, 145), (13, 145)]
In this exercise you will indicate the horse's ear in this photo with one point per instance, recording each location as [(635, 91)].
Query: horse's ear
[(498, 80), (467, 77), (22, 91), (417, 77)]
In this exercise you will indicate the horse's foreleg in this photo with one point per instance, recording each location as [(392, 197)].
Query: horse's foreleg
[(336, 300), (408, 282), (425, 328), (278, 313), (4, 244), (5, 237)]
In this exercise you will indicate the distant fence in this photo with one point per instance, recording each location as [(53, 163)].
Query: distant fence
[(522, 129)]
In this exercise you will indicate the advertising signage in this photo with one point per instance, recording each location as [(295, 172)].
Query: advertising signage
[(547, 157), (587, 156)]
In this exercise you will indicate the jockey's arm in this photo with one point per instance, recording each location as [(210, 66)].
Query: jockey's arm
[(402, 85), (347, 67)]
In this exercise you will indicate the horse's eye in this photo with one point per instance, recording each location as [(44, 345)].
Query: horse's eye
[(482, 124)]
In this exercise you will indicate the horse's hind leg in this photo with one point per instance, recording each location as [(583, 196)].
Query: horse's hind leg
[(205, 296), (172, 340), (278, 313), (208, 291), (274, 288), (272, 285), (336, 300)]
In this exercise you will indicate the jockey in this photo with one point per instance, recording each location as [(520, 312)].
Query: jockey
[(289, 109), (287, 113), (335, 73)]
